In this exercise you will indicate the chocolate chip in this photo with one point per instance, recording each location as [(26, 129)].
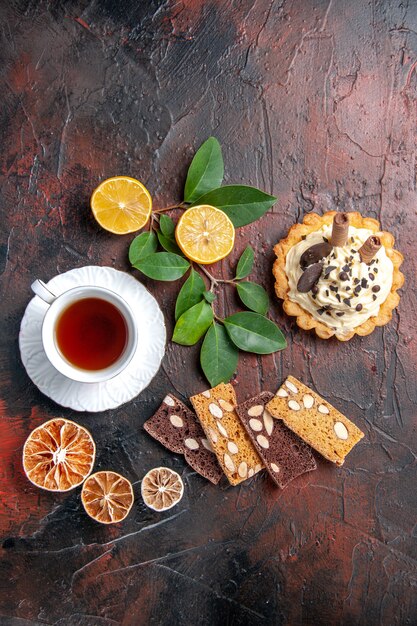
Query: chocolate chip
[(376, 270), (374, 297), (338, 298), (333, 288), (315, 253), (327, 293), (320, 311), (364, 283), (371, 276), (356, 281), (352, 240), (328, 312), (345, 268), (325, 239), (309, 277), (358, 307), (303, 237), (376, 288), (314, 289), (346, 301), (357, 289), (343, 276), (351, 257), (340, 313), (346, 259), (353, 251), (328, 270)]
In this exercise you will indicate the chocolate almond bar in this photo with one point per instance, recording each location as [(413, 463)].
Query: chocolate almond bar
[(284, 454), (315, 420), (235, 452), (178, 429)]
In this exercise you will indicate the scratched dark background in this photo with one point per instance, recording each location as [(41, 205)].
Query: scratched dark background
[(312, 100)]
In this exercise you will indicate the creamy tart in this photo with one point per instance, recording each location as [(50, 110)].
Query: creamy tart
[(339, 274)]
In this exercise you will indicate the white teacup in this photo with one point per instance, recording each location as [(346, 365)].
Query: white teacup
[(57, 305)]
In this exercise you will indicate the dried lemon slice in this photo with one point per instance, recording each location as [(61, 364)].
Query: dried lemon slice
[(205, 234), (107, 497), (162, 488), (121, 205), (58, 455)]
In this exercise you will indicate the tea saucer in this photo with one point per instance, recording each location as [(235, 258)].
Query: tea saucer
[(128, 384)]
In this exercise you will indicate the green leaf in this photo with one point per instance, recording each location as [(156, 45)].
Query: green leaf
[(241, 203), (254, 333), (167, 226), (206, 170), (253, 296), (191, 293), (209, 296), (163, 266), (218, 356), (142, 246), (244, 267), (169, 244), (193, 324)]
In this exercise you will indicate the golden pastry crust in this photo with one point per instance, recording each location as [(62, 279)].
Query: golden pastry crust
[(305, 320)]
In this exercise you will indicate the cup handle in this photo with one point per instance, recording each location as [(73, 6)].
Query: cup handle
[(40, 289)]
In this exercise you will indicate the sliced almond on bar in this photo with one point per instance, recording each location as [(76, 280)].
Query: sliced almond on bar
[(191, 443), (263, 441), (222, 430), (256, 410), (341, 430), (213, 435), (308, 400), (242, 470), (232, 447), (226, 406), (176, 421), (229, 463), (281, 393), (215, 410), (269, 422), (291, 386), (255, 425), (206, 443)]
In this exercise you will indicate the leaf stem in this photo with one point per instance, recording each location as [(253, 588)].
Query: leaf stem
[(154, 219), (181, 205), (214, 281)]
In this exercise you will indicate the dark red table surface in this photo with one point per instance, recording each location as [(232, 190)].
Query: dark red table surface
[(314, 101)]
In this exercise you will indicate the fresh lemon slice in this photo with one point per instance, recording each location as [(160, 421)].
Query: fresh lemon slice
[(107, 497), (58, 455), (162, 488), (205, 234), (121, 205)]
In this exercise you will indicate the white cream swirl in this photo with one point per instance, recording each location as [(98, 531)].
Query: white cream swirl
[(348, 291)]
